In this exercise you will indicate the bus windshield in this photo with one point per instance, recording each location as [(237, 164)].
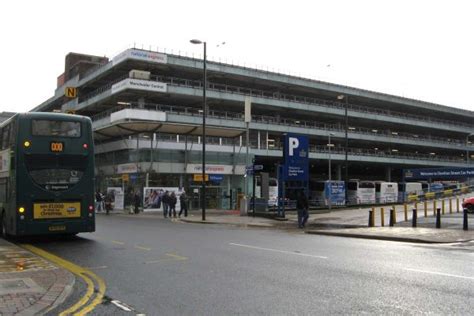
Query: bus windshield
[(55, 128)]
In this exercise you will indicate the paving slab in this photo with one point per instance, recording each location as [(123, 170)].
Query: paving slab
[(29, 284)]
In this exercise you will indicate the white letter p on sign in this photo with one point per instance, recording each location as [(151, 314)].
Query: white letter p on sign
[(293, 143)]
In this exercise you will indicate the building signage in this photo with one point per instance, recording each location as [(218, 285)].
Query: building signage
[(197, 177), (4, 163), (295, 154), (127, 168), (136, 54), (438, 173), (210, 169), (137, 84), (216, 177), (70, 92)]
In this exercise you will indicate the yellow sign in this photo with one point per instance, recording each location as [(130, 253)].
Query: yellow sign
[(125, 177), (198, 177), (56, 210), (70, 92)]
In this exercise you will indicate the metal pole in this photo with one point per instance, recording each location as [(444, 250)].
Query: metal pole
[(467, 149), (346, 167), (253, 193), (204, 108), (329, 173), (247, 140)]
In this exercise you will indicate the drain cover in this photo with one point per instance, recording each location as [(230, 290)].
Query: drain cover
[(23, 285)]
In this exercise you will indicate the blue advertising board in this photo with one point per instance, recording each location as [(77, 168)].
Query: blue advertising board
[(438, 173), (216, 177), (336, 192), (296, 160)]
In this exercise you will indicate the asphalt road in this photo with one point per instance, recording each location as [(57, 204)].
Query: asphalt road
[(159, 267)]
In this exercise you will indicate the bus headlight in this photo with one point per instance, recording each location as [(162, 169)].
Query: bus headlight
[(21, 210)]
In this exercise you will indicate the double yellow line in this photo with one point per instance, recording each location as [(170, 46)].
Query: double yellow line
[(87, 302)]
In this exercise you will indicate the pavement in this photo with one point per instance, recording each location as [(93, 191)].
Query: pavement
[(30, 285), (353, 222)]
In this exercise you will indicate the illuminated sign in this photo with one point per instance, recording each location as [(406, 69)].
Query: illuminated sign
[(57, 147)]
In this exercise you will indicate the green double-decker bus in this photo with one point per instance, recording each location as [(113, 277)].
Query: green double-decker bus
[(46, 174)]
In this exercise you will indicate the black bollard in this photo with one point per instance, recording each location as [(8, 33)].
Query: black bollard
[(371, 219), (465, 223), (438, 218), (392, 217), (413, 218)]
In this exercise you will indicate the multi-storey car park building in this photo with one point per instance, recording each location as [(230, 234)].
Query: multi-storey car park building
[(146, 112)]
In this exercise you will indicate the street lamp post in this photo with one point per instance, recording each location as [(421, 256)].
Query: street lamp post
[(329, 171), (204, 107), (346, 128)]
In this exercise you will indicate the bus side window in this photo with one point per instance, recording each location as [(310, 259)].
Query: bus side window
[(5, 136), (13, 132), (3, 190)]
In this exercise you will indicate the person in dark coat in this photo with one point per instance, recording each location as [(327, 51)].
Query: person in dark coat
[(183, 203), (165, 200), (99, 201), (172, 201), (302, 208), (136, 202)]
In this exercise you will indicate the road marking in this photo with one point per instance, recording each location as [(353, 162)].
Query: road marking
[(279, 251), (142, 248), (118, 242), (97, 268), (158, 261), (440, 273), (88, 276), (175, 256), (121, 305), (172, 257)]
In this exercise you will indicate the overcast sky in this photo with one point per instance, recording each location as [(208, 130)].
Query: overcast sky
[(418, 49)]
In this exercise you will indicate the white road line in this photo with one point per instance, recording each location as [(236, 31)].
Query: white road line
[(280, 251), (97, 268), (121, 305), (440, 273)]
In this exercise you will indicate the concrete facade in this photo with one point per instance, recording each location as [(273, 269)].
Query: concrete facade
[(155, 124)]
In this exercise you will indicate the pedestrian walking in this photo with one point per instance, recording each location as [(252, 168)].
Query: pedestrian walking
[(108, 202), (173, 200), (136, 202), (183, 204), (302, 208), (98, 201), (165, 200)]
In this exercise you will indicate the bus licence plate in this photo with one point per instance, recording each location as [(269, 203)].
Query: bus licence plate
[(57, 228), (56, 210)]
